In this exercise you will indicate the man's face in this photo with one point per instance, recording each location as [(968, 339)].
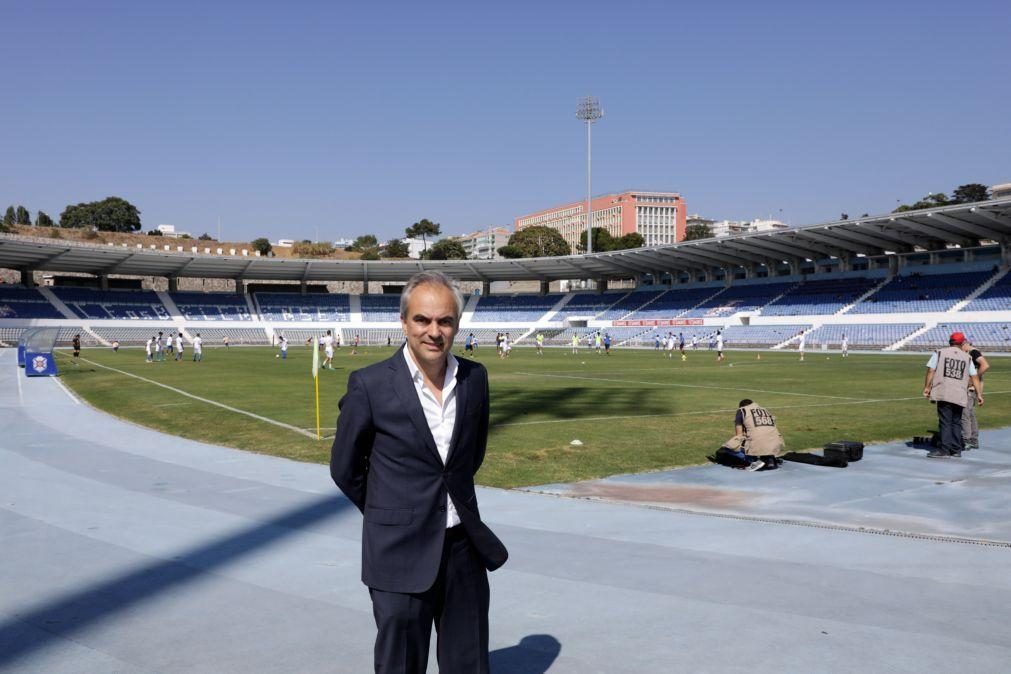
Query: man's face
[(430, 324)]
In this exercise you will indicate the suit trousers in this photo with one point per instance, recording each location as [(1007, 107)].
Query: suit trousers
[(949, 418), (457, 604)]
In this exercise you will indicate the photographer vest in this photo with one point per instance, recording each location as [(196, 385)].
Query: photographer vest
[(763, 438), (951, 376)]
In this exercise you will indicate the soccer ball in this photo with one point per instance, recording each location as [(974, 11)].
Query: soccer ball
[(583, 363), (277, 355), (731, 364)]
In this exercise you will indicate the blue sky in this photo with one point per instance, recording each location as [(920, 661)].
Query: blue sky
[(281, 118)]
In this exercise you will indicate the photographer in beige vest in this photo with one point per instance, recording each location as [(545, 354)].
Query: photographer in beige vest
[(757, 436), (949, 372)]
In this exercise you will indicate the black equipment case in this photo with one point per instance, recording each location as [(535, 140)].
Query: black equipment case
[(845, 450)]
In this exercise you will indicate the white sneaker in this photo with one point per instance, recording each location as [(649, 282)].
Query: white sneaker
[(757, 464)]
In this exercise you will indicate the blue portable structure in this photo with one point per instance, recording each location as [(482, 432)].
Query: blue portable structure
[(38, 359), (22, 340)]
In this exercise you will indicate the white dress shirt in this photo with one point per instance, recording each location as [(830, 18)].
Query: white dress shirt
[(441, 418)]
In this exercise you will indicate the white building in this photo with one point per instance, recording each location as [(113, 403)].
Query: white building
[(484, 243)]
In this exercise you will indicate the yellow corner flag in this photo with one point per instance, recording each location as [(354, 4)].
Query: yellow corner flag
[(315, 378)]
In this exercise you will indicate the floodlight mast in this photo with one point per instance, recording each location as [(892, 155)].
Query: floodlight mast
[(589, 111)]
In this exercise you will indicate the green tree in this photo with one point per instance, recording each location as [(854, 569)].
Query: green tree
[(363, 243), (112, 214), (43, 220), (447, 249), (510, 252), (602, 241), (396, 249), (261, 245), (423, 228), (697, 231), (370, 254), (22, 216), (10, 217), (630, 240), (538, 241), (205, 237), (967, 194), (155, 232)]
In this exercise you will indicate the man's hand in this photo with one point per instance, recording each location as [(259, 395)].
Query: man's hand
[(979, 399), (926, 391)]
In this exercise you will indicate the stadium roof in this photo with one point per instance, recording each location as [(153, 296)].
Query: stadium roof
[(928, 229)]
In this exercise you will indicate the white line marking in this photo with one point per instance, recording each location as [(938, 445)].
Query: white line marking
[(723, 411), (21, 397), (67, 391), (268, 420), (664, 383)]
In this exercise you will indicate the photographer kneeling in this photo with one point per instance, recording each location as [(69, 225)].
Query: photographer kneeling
[(757, 442)]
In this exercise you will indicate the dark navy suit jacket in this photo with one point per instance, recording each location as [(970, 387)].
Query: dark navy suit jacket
[(385, 461)]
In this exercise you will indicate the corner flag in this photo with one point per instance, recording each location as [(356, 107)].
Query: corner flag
[(315, 378)]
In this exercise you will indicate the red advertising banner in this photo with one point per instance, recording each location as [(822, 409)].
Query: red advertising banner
[(662, 322)]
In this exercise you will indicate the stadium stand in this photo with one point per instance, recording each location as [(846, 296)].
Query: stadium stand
[(588, 304), (302, 335), (915, 293), (630, 303), (739, 298), (287, 307), (995, 298), (377, 336), (862, 335), (212, 306), (381, 309), (215, 336), (20, 302), (750, 336), (673, 303), (133, 336), (113, 304), (993, 336), (504, 309), (813, 298)]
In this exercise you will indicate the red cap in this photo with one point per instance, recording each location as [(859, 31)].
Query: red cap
[(956, 338)]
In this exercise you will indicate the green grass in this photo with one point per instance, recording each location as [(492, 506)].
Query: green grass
[(633, 411)]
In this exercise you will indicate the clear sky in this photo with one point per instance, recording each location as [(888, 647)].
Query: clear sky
[(363, 117)]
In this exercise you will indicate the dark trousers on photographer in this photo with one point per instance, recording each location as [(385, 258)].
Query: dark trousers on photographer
[(949, 418)]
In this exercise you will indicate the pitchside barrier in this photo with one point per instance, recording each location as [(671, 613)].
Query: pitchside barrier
[(35, 352)]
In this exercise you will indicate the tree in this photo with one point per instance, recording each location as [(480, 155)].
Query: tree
[(602, 241), (205, 237), (423, 228), (967, 194), (844, 216), (155, 232), (630, 240), (510, 252), (262, 245), (447, 249), (698, 231), (538, 241), (363, 243), (22, 216), (9, 217), (43, 220), (370, 254), (396, 249), (112, 214)]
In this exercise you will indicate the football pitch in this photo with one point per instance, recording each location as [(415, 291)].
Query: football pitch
[(632, 411)]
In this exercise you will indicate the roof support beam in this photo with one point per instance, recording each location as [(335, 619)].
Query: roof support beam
[(934, 232), (852, 246), (978, 231), (781, 248), (877, 237), (115, 267)]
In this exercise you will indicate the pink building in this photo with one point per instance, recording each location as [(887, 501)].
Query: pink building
[(659, 216)]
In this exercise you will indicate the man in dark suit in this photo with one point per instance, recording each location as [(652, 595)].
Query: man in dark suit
[(411, 435)]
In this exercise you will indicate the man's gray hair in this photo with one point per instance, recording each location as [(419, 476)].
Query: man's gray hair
[(433, 278)]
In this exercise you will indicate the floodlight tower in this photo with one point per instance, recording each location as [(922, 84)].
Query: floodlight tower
[(589, 111)]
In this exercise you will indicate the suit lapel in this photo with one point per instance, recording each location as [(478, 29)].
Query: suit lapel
[(403, 387), (461, 405)]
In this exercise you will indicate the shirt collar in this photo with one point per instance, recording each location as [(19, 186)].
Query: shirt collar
[(418, 376)]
